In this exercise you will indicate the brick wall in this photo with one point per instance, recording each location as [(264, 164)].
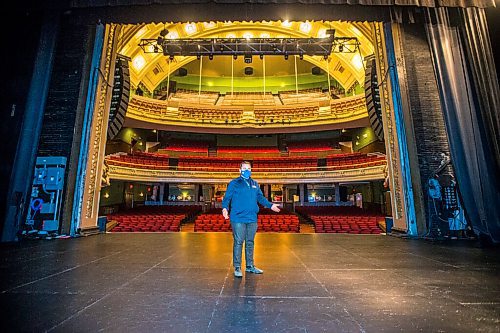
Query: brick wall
[(427, 117)]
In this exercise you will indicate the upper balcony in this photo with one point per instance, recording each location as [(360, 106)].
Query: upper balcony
[(240, 113)]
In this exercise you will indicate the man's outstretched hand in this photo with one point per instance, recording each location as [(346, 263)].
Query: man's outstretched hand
[(225, 213), (275, 208)]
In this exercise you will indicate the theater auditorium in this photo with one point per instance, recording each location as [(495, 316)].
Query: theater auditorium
[(372, 125)]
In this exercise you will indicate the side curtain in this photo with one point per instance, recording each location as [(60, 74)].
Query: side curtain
[(470, 100)]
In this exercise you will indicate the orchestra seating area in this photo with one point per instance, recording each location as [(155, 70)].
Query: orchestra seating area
[(342, 220), (268, 221), (153, 218)]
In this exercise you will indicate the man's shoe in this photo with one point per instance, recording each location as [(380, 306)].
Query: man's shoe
[(237, 272), (254, 270)]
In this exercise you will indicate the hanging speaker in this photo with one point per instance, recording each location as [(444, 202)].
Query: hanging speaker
[(248, 70), (316, 70), (119, 97), (372, 96)]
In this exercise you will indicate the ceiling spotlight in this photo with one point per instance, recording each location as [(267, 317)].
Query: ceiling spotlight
[(341, 48), (235, 56), (325, 57), (301, 56), (171, 57), (211, 56), (286, 56), (198, 56), (261, 56)]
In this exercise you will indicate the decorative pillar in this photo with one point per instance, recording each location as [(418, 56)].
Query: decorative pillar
[(98, 131)]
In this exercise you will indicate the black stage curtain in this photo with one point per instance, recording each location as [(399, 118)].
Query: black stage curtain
[(470, 98), (422, 3)]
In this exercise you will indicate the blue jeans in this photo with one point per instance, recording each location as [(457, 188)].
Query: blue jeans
[(243, 232)]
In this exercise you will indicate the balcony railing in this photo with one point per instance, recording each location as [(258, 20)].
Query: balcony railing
[(297, 115), (130, 173)]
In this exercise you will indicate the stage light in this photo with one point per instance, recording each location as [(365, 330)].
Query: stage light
[(190, 28), (305, 27), (171, 57), (341, 48), (164, 33), (211, 56), (235, 56), (198, 56), (261, 56), (301, 56), (325, 57), (286, 56), (139, 62), (248, 58), (357, 61)]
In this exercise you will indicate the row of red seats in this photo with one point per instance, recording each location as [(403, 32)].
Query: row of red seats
[(343, 224), (153, 218), (265, 223), (224, 149), (148, 224), (343, 220)]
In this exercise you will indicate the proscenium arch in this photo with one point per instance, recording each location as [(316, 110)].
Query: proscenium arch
[(132, 34)]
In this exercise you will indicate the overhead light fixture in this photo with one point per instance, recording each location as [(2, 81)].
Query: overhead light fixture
[(139, 62), (164, 33), (301, 56), (261, 56), (235, 56), (286, 56), (198, 56), (211, 56), (248, 58), (305, 26), (190, 28), (341, 48)]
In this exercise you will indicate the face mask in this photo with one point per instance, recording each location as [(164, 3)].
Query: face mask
[(246, 174)]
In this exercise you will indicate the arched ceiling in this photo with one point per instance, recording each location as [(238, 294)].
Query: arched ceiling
[(152, 68)]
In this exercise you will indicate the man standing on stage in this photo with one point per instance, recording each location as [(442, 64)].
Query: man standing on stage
[(243, 194)]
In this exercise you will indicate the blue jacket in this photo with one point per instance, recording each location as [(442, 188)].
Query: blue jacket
[(243, 195)]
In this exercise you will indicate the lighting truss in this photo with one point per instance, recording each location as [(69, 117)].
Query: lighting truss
[(250, 46)]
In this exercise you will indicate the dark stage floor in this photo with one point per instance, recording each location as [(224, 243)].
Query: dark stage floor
[(183, 282)]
